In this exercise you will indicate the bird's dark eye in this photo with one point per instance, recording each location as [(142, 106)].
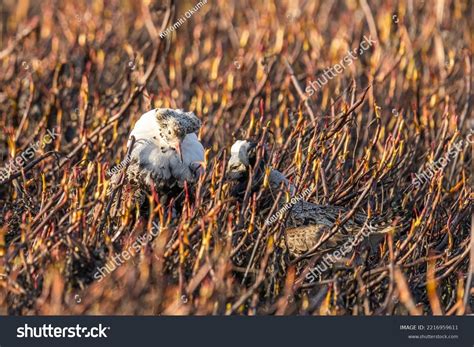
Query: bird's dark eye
[(169, 132), (154, 137), (252, 154)]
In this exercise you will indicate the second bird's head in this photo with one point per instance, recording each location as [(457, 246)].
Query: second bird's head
[(243, 157)]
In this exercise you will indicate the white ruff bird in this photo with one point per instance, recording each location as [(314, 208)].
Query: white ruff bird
[(166, 154)]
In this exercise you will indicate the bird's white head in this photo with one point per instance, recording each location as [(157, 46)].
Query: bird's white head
[(242, 155)]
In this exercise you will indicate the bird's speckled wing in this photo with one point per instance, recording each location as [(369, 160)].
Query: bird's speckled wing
[(305, 213), (307, 223), (301, 239)]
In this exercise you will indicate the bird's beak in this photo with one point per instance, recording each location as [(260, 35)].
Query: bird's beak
[(178, 149), (235, 169)]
